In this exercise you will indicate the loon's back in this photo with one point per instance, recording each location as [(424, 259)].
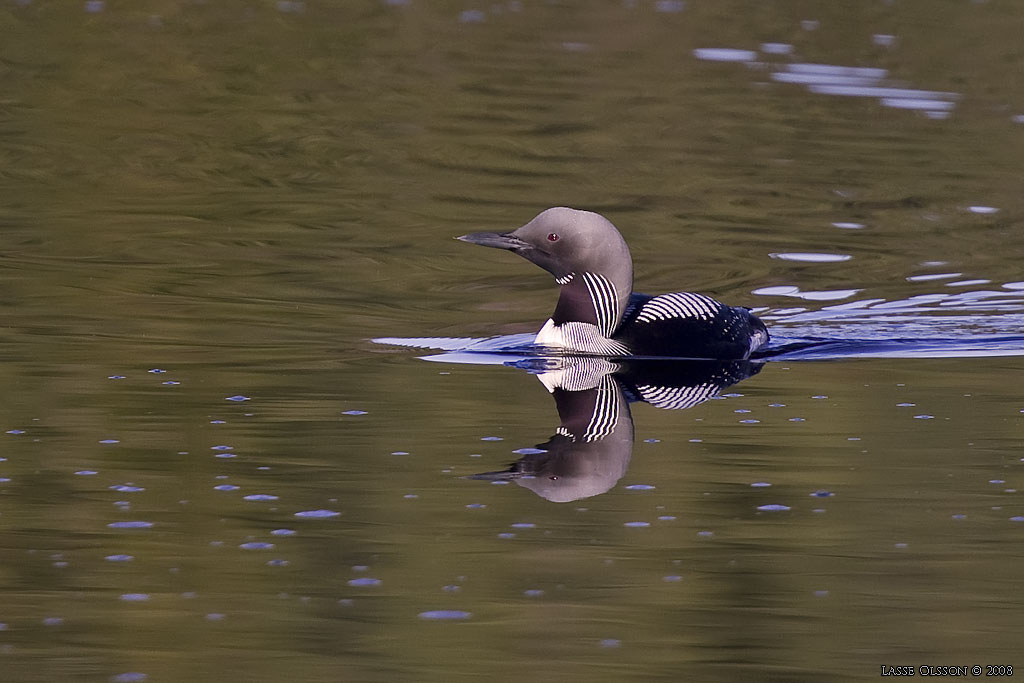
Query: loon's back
[(688, 325)]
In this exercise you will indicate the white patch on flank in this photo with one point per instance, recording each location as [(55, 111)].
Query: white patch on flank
[(577, 336)]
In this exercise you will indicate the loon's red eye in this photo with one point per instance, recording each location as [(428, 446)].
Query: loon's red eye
[(553, 237)]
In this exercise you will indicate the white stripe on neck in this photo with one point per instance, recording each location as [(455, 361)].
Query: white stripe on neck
[(605, 301)]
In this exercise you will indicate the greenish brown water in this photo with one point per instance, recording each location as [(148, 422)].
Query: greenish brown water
[(243, 194)]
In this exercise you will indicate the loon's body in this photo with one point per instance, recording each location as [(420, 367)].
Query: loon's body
[(598, 313)]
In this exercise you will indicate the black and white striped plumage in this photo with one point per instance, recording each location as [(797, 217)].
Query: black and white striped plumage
[(687, 325), (597, 312)]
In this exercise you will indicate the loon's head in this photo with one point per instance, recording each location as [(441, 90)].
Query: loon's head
[(569, 243)]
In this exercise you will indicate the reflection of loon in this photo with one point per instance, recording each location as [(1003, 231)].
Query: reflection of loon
[(597, 312), (590, 449)]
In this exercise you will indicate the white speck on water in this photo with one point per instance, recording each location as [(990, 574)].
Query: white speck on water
[(237, 398), (848, 226), (637, 524), (134, 597), (445, 615), (810, 257), (789, 290), (773, 507), (119, 558), (724, 54), (472, 16), (130, 525), (968, 283), (365, 581), (492, 438), (317, 514), (256, 545), (640, 487), (669, 6), (129, 677), (761, 484), (523, 525), (984, 210), (611, 643), (776, 48), (933, 276), (260, 497), (354, 412)]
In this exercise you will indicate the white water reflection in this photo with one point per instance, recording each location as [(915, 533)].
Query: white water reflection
[(811, 257), (794, 291), (724, 54), (844, 81)]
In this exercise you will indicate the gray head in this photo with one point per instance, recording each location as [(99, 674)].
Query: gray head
[(568, 242)]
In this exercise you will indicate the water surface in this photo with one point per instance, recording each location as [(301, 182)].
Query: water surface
[(210, 209)]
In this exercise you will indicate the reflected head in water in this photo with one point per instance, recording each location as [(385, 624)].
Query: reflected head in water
[(597, 311), (593, 443)]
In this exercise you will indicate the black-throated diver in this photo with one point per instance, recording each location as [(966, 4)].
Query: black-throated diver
[(598, 313)]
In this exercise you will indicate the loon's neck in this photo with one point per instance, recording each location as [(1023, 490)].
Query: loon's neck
[(591, 298)]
